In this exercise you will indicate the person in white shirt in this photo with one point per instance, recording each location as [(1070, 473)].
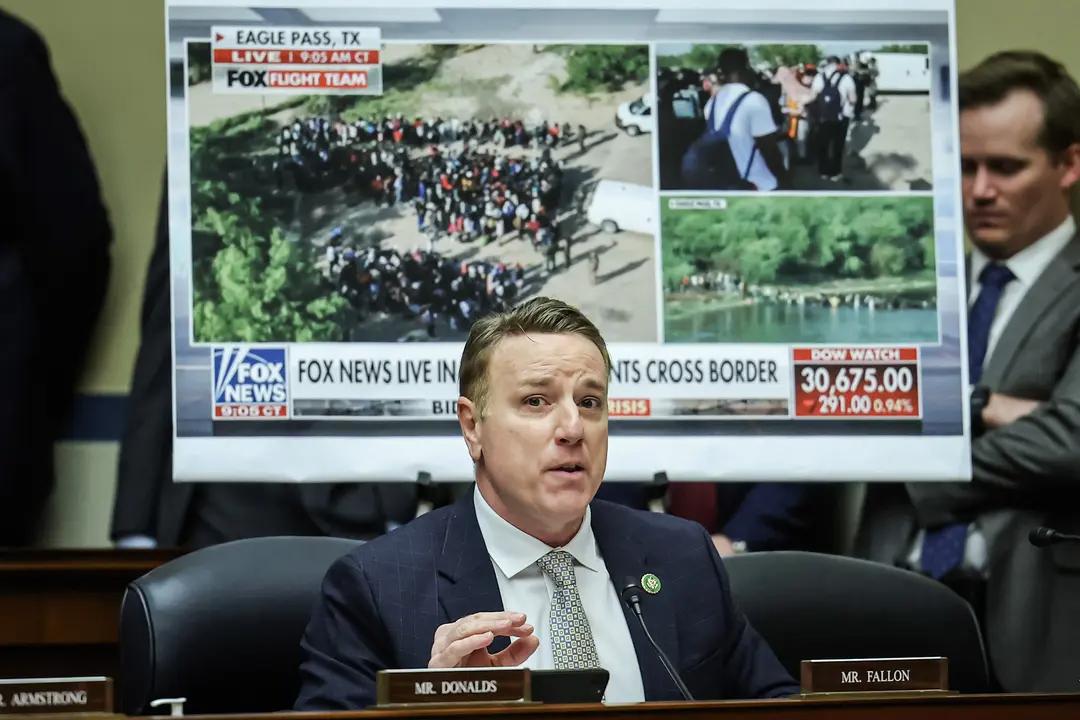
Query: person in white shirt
[(833, 97), (1019, 159), (741, 117), (527, 568)]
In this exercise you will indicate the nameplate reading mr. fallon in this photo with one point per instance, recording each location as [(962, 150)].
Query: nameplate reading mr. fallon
[(890, 675), (458, 685), (56, 696)]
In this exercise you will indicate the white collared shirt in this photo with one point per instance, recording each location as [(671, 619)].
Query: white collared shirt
[(527, 589), (753, 120), (1027, 265)]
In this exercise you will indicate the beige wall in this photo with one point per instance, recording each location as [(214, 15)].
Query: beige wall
[(110, 59)]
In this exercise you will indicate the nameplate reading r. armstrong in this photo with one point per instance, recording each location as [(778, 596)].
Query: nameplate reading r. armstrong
[(56, 696), (453, 686), (882, 675)]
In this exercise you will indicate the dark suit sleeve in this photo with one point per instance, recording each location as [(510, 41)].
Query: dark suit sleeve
[(146, 448), (775, 516), (345, 644), (751, 669), (1041, 450), (55, 212)]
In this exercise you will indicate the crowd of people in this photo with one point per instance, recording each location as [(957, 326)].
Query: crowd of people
[(316, 152), (812, 108), (734, 286), (469, 181), (422, 285)]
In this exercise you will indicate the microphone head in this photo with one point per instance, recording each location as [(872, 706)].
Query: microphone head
[(1042, 537), (630, 592)]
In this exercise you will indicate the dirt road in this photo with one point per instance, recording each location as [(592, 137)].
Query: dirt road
[(889, 150)]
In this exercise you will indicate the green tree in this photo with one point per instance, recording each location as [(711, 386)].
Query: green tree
[(914, 49), (250, 281), (794, 241), (198, 63), (704, 57), (776, 55), (600, 68)]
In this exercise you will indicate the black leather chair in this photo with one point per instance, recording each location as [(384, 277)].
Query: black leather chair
[(221, 626), (809, 606)]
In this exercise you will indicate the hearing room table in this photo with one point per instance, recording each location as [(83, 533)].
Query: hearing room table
[(60, 609), (959, 707)]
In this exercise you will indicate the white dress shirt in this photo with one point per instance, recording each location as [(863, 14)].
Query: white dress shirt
[(1027, 265), (527, 589), (753, 120)]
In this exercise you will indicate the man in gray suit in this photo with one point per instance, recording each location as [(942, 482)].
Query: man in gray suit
[(1020, 157)]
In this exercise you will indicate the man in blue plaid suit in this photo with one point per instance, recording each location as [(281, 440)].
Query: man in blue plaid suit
[(526, 569)]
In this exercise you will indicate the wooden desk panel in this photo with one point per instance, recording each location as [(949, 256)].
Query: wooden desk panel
[(964, 707), (60, 609)]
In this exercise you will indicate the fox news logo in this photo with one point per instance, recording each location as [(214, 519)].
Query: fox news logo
[(246, 78), (249, 384)]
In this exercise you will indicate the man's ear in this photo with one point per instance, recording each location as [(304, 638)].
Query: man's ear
[(469, 419)]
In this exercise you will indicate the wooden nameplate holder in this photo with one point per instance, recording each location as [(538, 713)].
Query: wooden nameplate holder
[(877, 678), (56, 696), (457, 686)]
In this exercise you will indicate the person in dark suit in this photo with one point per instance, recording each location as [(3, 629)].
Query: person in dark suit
[(1020, 157), (527, 568), (54, 272), (742, 517), (151, 510)]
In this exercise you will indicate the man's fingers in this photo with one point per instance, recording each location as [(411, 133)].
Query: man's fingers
[(458, 650), (499, 627), (519, 651), (484, 619), (511, 624)]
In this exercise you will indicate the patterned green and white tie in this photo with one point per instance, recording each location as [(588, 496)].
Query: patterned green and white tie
[(572, 644)]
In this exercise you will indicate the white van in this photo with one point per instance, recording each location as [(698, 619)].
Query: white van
[(619, 206), (636, 117), (902, 72)]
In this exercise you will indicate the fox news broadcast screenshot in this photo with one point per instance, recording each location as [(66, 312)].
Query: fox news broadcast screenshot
[(353, 184)]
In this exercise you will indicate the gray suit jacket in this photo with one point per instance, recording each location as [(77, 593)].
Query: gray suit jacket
[(1025, 475)]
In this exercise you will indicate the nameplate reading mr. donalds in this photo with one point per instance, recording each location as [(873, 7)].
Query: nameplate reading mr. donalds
[(458, 685), (56, 696), (889, 675)]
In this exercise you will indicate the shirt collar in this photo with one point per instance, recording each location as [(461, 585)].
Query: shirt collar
[(1028, 264), (513, 550)]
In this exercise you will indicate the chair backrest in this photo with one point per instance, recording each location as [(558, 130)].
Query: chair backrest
[(222, 626), (809, 606)]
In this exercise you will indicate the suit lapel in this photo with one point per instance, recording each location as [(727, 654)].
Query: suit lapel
[(1056, 279), (467, 582), (627, 558)]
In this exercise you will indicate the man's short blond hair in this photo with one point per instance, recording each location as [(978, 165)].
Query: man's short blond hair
[(540, 315)]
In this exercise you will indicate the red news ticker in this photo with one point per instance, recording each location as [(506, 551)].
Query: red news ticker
[(853, 390), (855, 355), (629, 408), (228, 56), (236, 411)]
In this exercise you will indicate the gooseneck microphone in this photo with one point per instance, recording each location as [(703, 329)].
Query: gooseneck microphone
[(1045, 537), (631, 596)]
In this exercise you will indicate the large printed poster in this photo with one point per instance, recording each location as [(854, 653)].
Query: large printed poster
[(756, 202)]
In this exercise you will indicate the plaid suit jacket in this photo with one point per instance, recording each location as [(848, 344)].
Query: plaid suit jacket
[(381, 604)]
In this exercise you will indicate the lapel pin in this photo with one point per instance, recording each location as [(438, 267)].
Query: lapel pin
[(650, 583)]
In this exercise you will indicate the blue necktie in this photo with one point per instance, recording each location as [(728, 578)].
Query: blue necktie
[(992, 280), (943, 549)]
